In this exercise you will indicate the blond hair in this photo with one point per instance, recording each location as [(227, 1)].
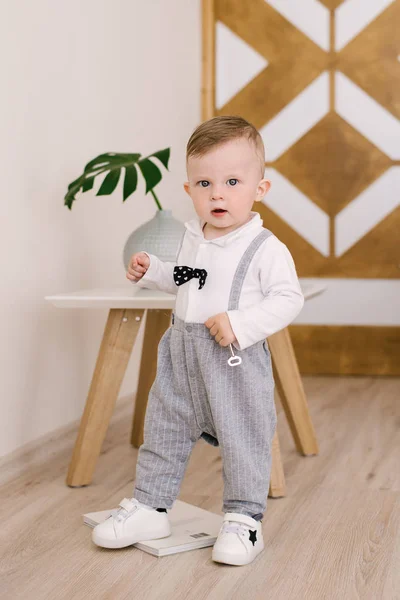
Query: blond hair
[(218, 130)]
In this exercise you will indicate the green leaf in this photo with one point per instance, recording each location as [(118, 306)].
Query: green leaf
[(73, 189), (87, 184), (68, 200), (151, 173), (163, 156), (110, 183), (111, 159), (112, 163), (76, 183), (99, 160), (130, 183)]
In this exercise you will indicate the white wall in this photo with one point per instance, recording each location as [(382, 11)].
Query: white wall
[(81, 78)]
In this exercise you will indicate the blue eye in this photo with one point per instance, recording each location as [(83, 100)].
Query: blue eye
[(204, 183), (232, 181)]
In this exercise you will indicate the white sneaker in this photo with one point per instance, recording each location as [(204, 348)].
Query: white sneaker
[(133, 522), (239, 541)]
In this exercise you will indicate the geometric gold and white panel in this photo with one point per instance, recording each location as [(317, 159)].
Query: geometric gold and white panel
[(320, 79)]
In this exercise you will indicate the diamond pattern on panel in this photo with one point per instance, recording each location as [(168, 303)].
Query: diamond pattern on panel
[(237, 64), (294, 61), (329, 120), (369, 208), (371, 60), (353, 16), (310, 16), (298, 213), (367, 116), (332, 183), (295, 119)]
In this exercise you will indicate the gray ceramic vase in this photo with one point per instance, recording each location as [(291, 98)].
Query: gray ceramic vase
[(160, 236)]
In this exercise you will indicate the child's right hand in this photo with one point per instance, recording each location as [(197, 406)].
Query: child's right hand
[(138, 265)]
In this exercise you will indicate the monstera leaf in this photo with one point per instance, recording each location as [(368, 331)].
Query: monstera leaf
[(131, 164)]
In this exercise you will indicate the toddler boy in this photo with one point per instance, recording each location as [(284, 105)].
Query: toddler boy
[(235, 285)]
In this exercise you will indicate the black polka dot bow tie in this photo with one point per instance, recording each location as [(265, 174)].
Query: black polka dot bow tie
[(184, 274)]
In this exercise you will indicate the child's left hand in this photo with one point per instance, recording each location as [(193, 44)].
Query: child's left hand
[(220, 327)]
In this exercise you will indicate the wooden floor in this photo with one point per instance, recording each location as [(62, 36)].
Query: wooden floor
[(335, 536)]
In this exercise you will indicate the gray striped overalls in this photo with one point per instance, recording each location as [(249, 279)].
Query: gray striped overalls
[(197, 394)]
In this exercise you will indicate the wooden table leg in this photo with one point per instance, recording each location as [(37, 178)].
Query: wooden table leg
[(119, 336), (277, 486), (157, 322), (291, 392)]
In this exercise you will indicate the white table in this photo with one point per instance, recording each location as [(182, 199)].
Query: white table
[(136, 298), (127, 308)]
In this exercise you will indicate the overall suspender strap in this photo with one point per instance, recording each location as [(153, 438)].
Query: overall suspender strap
[(243, 266)]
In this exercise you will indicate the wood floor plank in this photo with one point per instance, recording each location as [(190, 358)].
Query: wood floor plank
[(335, 535)]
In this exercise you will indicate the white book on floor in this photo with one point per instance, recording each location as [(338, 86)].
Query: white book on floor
[(191, 528)]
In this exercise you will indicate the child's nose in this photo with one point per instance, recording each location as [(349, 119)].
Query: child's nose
[(216, 193)]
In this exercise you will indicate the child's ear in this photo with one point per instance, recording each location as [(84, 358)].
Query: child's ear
[(186, 187), (263, 189)]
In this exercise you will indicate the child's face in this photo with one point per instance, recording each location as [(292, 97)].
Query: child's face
[(226, 177)]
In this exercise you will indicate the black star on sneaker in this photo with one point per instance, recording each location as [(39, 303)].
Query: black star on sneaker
[(253, 536)]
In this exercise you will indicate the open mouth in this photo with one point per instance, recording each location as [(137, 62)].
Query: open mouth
[(218, 211)]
